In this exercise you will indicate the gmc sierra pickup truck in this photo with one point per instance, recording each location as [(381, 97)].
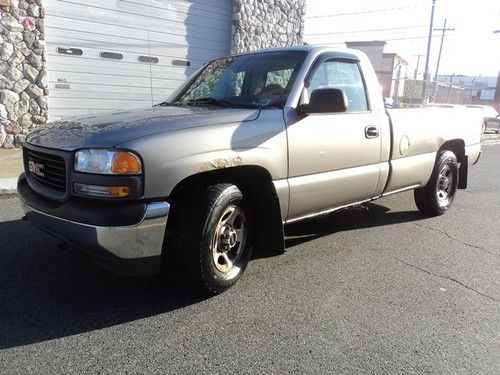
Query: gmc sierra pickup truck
[(249, 143)]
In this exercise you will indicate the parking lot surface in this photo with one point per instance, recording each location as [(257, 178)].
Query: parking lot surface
[(380, 289)]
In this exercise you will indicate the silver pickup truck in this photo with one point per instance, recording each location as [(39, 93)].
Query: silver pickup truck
[(249, 143)]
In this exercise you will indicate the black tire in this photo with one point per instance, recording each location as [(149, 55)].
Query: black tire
[(436, 197), (203, 223)]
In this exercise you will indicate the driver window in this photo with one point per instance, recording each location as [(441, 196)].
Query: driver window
[(344, 76)]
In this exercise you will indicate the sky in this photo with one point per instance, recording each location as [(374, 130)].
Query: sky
[(471, 49)]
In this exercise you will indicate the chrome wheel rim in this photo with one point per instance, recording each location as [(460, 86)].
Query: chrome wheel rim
[(229, 240), (444, 185)]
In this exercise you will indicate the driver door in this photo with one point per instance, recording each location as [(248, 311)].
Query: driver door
[(333, 160)]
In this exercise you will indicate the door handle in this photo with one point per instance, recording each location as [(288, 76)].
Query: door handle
[(371, 132)]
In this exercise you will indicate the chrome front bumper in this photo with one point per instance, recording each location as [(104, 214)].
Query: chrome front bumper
[(113, 245)]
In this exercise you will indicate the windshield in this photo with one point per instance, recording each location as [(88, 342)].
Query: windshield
[(253, 80)]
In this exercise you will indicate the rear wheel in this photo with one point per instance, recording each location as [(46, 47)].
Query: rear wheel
[(213, 237), (436, 197)]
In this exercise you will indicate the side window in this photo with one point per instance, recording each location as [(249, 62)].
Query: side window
[(344, 76)]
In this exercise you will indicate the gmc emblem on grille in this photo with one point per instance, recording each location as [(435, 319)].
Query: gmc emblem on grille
[(36, 168)]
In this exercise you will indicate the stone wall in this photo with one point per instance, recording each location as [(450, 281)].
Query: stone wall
[(259, 24), (23, 75)]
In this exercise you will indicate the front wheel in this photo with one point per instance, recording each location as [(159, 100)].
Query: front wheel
[(213, 237), (436, 197)]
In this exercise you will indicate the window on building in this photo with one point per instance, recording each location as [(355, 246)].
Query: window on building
[(70, 51), (183, 63), (148, 59), (111, 55)]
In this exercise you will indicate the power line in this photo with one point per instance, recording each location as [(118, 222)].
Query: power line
[(391, 39), (368, 30), (366, 11)]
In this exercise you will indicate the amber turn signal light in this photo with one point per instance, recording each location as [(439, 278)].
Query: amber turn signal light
[(102, 191), (125, 163), (119, 191)]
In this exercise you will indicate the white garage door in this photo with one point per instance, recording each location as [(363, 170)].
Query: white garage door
[(118, 54)]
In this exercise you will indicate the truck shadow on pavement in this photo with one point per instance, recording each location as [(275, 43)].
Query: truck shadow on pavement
[(47, 292), (368, 215)]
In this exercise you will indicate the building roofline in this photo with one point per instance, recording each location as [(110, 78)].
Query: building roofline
[(393, 54), (369, 42)]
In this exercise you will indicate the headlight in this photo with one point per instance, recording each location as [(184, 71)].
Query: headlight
[(104, 161)]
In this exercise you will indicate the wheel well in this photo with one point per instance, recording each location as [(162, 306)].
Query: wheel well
[(457, 146), (256, 183), (243, 176)]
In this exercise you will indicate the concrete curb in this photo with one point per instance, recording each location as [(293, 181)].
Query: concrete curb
[(8, 186)]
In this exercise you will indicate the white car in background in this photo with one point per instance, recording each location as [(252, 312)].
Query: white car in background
[(491, 119), (442, 105)]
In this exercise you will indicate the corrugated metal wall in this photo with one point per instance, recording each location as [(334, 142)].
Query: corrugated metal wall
[(119, 54)]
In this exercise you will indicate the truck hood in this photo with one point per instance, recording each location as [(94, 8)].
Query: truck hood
[(102, 131)]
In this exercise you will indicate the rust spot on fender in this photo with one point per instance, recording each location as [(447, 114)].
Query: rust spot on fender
[(203, 168), (226, 163), (237, 161), (219, 163)]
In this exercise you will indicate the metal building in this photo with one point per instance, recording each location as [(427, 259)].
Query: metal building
[(107, 55)]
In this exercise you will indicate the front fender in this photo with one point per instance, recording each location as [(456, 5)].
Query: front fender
[(171, 157)]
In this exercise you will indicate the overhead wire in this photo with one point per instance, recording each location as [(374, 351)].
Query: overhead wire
[(365, 11), (367, 30), (390, 39), (386, 39)]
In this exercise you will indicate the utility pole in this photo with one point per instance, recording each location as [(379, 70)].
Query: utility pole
[(416, 69), (444, 30), (426, 71), (396, 84), (449, 88)]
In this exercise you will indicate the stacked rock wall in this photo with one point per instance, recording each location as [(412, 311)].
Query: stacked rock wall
[(259, 24), (23, 74)]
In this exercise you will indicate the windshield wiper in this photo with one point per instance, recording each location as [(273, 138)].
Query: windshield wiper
[(167, 104), (210, 101), (267, 106)]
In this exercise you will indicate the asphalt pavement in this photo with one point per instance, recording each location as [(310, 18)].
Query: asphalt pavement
[(376, 290)]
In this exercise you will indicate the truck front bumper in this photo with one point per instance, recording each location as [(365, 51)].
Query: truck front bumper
[(133, 249)]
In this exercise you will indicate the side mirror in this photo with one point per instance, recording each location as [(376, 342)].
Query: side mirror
[(325, 101)]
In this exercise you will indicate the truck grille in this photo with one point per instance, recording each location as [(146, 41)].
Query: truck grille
[(48, 169)]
